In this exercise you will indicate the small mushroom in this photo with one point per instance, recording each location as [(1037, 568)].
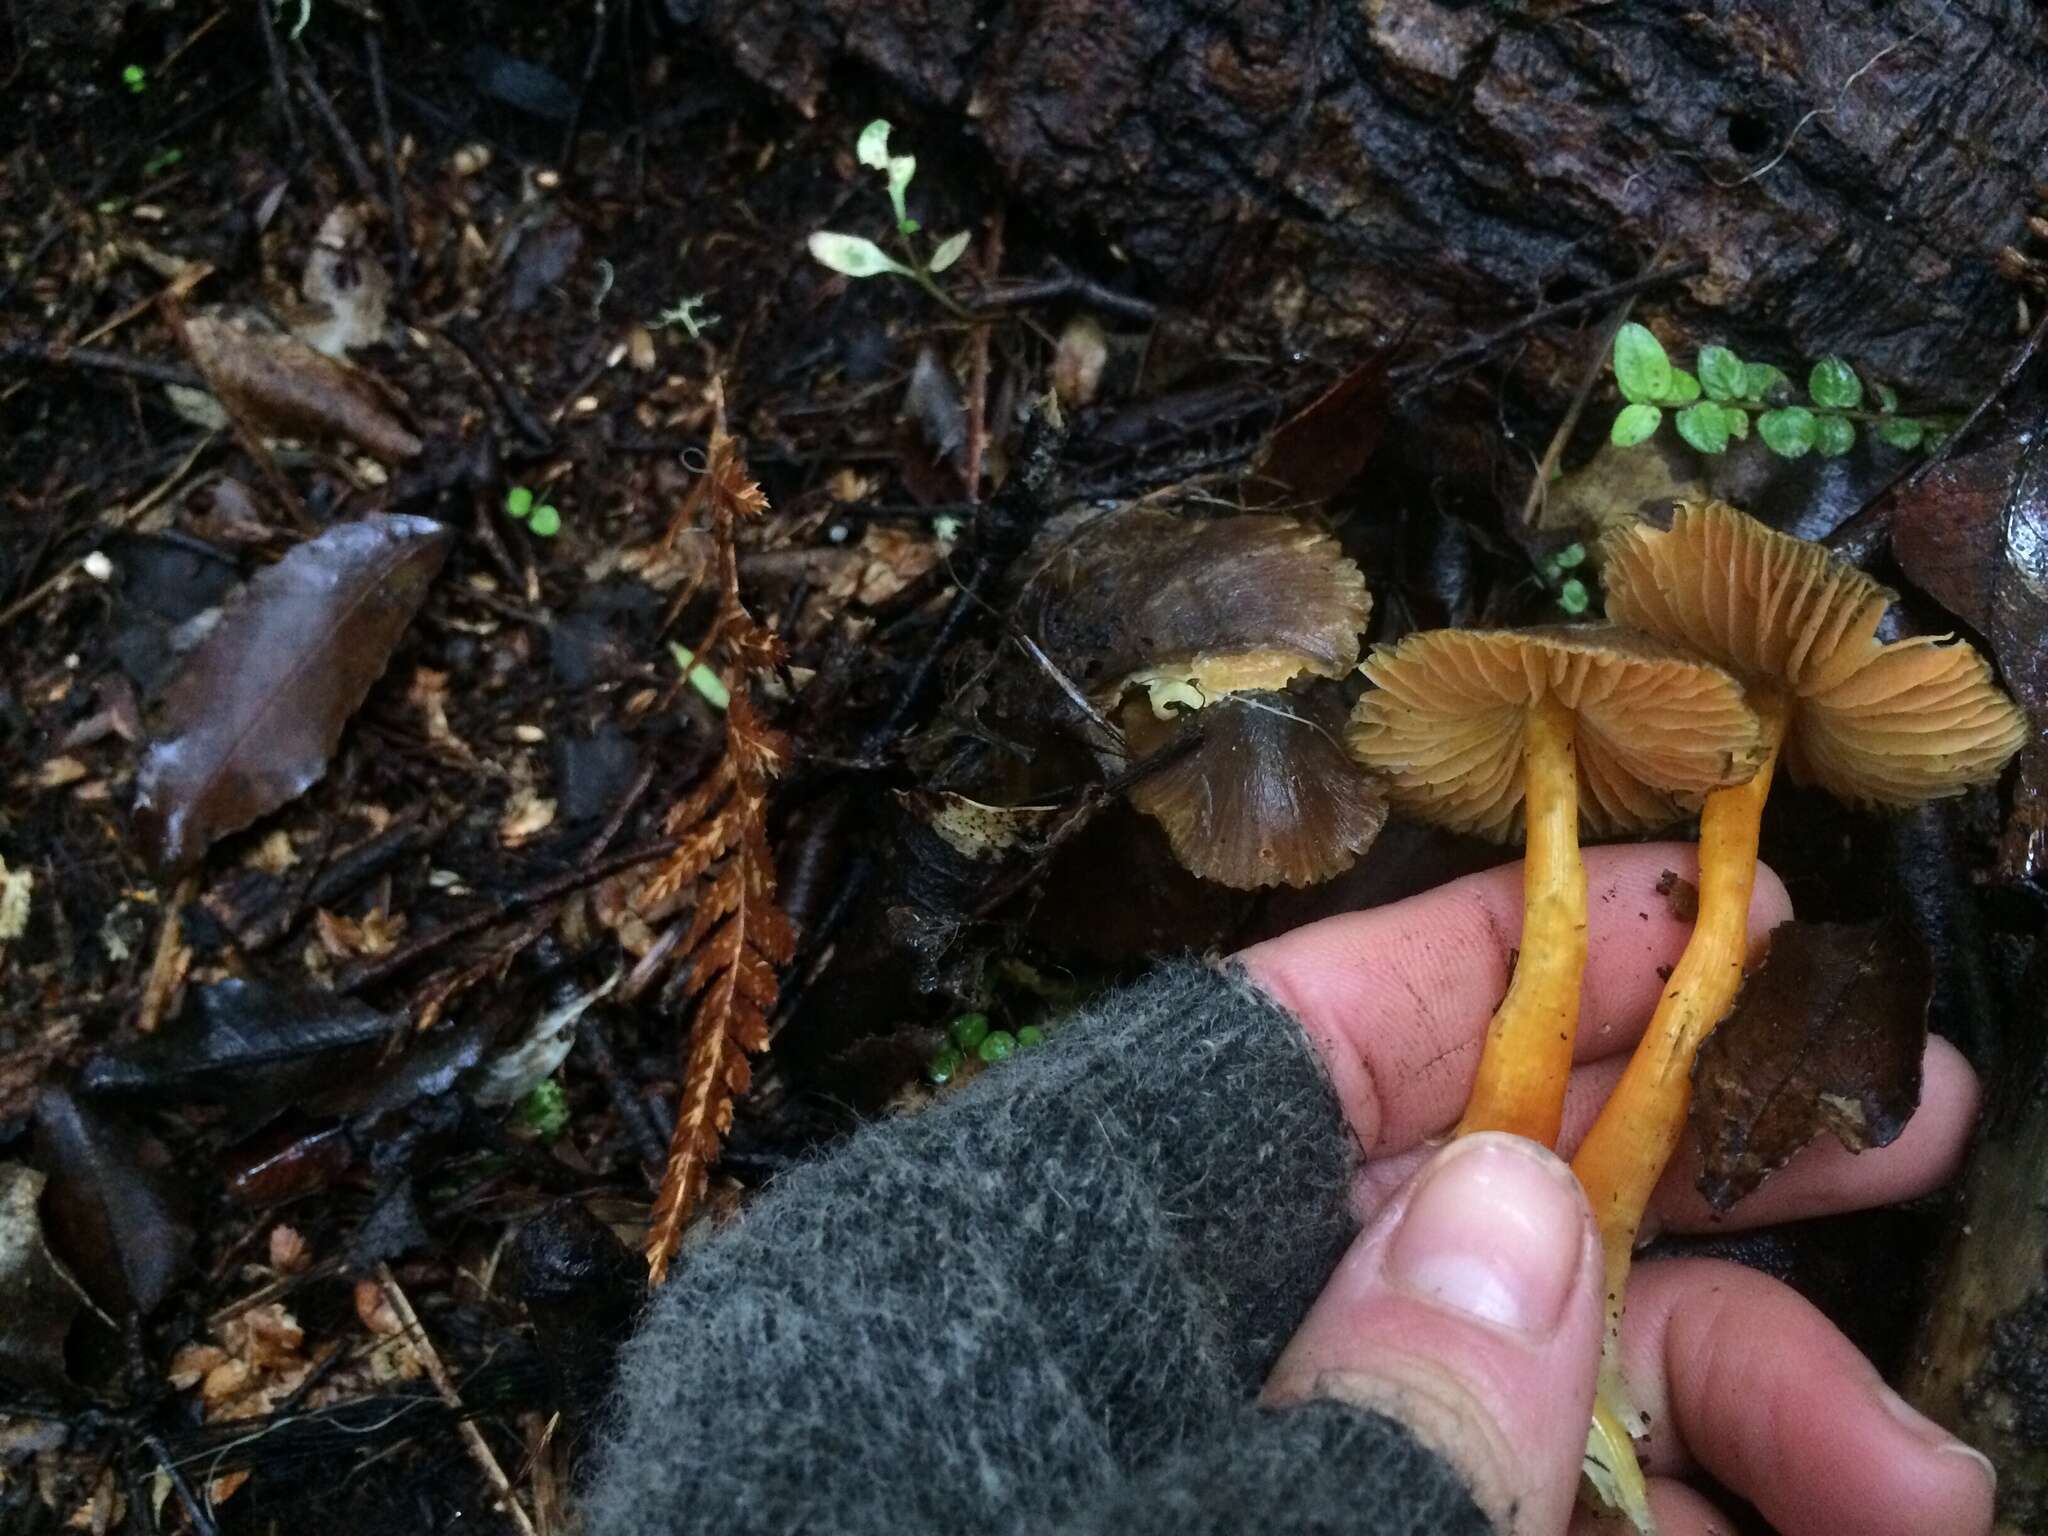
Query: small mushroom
[(1492, 731), (1269, 797), (1182, 616), (1876, 724)]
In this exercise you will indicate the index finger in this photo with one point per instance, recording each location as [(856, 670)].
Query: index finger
[(1397, 998)]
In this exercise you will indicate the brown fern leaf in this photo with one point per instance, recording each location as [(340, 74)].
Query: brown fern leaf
[(737, 936)]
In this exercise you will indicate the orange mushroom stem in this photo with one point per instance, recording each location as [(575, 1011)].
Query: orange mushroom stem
[(1527, 1059)]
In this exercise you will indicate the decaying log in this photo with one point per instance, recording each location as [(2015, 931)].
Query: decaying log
[(1980, 1364), (1321, 169)]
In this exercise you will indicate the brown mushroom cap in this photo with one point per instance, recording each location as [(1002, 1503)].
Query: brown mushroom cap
[(1656, 730), (1141, 595), (1269, 797), (1875, 724)]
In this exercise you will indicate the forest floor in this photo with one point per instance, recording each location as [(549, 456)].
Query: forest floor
[(346, 1063)]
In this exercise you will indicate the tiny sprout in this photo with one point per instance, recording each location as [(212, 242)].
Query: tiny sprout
[(1572, 597), (162, 160), (857, 256), (136, 78), (543, 520), (1570, 557), (997, 1045), (685, 312), (1029, 1036), (969, 1030), (943, 1067), (700, 677), (545, 1110)]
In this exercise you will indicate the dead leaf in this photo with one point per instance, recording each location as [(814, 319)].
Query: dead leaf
[(37, 1298), (256, 710), (119, 1219), (1974, 535), (281, 387), (1324, 446), (1078, 361), (1827, 1035)]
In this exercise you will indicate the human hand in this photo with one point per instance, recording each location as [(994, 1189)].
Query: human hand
[(1470, 1305)]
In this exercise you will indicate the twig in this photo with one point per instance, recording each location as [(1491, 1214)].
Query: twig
[(1068, 285), (168, 965), (351, 156), (280, 86), (55, 354), (977, 374), (479, 1448), (591, 60), (531, 427), (394, 188), (195, 1507), (1539, 488), (1413, 378), (377, 967)]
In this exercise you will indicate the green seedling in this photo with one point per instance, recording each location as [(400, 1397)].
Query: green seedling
[(136, 78), (684, 312), (542, 519), (1572, 595), (545, 1111), (1727, 396), (969, 1030), (858, 256), (161, 161), (700, 677)]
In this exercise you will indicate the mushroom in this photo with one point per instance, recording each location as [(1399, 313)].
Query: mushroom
[(1161, 620), (1492, 731), (1878, 725)]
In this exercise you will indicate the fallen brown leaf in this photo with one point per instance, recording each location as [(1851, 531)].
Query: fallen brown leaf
[(1827, 1035), (282, 387)]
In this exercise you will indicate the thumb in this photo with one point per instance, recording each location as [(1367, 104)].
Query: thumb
[(1470, 1310)]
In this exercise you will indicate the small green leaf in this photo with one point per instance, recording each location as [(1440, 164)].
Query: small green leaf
[(853, 256), (1833, 383), (1720, 373), (1702, 426), (1759, 379), (1635, 424), (997, 1045), (547, 522), (700, 677), (1738, 421), (546, 1109), (1685, 388), (1887, 397), (949, 251), (518, 501), (1903, 433), (1571, 556), (1573, 598), (1833, 436), (873, 145), (1788, 432), (901, 169), (1029, 1036), (943, 1066), (969, 1030), (1641, 367), (136, 78)]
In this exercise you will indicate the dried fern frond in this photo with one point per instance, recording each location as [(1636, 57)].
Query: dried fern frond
[(737, 936)]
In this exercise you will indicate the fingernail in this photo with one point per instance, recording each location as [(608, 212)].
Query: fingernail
[(1932, 1434), (1494, 1230)]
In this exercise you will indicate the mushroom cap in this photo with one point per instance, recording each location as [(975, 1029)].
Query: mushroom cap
[(1875, 724), (1655, 729), (1269, 797), (1142, 595)]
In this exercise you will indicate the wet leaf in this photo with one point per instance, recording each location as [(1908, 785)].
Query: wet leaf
[(243, 1040), (1324, 446), (1974, 536), (114, 1214), (282, 387), (37, 1298), (1827, 1035), (253, 715)]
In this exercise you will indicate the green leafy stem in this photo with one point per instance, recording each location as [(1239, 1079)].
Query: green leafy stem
[(858, 256), (1718, 404)]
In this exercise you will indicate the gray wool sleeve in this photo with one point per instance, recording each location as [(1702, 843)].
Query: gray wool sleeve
[(1046, 1304)]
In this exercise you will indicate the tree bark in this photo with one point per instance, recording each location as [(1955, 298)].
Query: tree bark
[(1314, 169)]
